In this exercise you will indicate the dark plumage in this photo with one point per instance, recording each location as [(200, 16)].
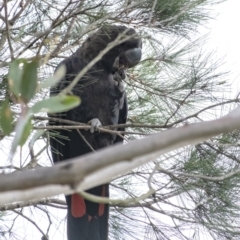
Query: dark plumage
[(103, 97)]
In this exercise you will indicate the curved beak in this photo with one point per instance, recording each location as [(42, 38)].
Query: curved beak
[(128, 59), (132, 57)]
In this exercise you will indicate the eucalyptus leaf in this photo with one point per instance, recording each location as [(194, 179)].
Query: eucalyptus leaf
[(22, 130), (29, 81), (15, 76), (26, 132), (59, 103), (53, 80), (6, 118)]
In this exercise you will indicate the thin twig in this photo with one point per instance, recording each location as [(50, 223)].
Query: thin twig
[(100, 129), (31, 221), (54, 203), (8, 30), (18, 14), (85, 140), (48, 216)]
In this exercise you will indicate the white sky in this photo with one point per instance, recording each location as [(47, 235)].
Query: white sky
[(225, 37)]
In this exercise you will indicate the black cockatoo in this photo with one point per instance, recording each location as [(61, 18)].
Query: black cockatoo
[(103, 102)]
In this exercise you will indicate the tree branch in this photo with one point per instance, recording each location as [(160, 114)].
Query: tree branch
[(52, 202), (87, 171)]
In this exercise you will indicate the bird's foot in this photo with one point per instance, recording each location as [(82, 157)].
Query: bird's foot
[(95, 124), (118, 77)]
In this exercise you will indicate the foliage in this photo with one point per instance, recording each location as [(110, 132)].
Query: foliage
[(23, 84)]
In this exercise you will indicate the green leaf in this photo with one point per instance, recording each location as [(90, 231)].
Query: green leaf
[(6, 118), (53, 80), (26, 132), (23, 130), (29, 79), (59, 103), (15, 76)]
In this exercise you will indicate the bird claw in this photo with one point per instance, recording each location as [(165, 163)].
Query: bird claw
[(95, 124), (120, 86), (118, 77)]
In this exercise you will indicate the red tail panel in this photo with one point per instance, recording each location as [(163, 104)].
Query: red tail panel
[(101, 205), (78, 207)]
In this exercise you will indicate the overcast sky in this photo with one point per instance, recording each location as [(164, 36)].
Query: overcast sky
[(225, 36)]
